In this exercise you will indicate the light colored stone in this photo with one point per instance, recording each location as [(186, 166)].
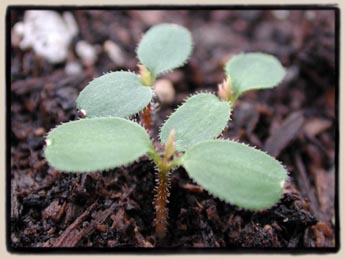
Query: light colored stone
[(86, 52), (281, 14), (164, 90), (48, 33), (73, 68), (114, 52)]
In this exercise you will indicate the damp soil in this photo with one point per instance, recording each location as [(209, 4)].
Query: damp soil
[(296, 123)]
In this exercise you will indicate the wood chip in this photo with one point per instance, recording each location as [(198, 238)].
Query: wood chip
[(325, 228), (325, 190), (54, 211), (120, 222), (305, 185), (71, 236), (14, 201), (315, 126), (192, 188), (287, 132)]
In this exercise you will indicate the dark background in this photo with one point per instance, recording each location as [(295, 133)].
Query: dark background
[(296, 122)]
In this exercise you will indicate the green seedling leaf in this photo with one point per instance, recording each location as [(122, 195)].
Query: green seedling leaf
[(248, 71), (164, 47), (236, 173), (201, 117), (95, 144), (117, 94)]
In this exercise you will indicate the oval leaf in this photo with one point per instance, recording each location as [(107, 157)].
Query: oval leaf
[(165, 47), (201, 117), (117, 94), (236, 173), (95, 144), (248, 71)]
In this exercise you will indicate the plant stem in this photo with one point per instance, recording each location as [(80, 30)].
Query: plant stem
[(146, 117), (161, 204), (147, 79), (164, 164)]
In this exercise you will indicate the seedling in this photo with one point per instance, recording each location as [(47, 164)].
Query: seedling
[(106, 139)]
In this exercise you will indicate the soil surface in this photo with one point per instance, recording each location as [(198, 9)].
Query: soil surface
[(295, 122)]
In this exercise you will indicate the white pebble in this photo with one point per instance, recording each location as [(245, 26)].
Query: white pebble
[(310, 15), (114, 52), (71, 23), (165, 91), (47, 33), (281, 14), (86, 52), (73, 68)]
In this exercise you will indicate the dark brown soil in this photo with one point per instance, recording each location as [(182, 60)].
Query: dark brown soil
[(296, 122)]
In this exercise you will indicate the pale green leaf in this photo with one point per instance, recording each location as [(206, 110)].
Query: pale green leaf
[(117, 94), (95, 144), (164, 47), (201, 117), (236, 173), (248, 71)]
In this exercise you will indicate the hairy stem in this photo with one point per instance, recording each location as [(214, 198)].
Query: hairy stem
[(164, 164), (146, 117), (161, 204)]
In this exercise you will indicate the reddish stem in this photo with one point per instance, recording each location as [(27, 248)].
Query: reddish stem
[(146, 117), (161, 204)]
